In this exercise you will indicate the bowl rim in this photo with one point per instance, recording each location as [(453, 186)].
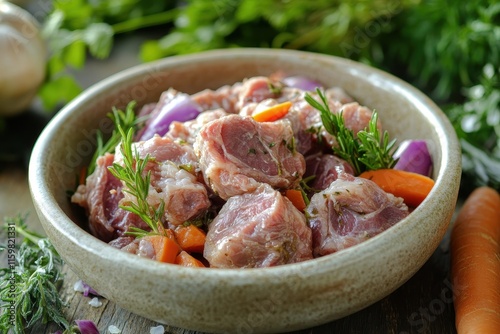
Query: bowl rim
[(47, 204)]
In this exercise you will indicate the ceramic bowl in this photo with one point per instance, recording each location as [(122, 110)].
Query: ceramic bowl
[(278, 299)]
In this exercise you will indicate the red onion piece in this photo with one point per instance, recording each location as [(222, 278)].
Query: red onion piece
[(88, 290), (86, 327), (181, 108), (301, 82), (414, 157)]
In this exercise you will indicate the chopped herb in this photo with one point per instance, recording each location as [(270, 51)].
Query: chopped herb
[(252, 151), (275, 88), (137, 185), (367, 150), (188, 168), (291, 146), (271, 145)]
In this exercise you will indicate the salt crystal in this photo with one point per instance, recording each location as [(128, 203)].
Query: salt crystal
[(95, 302), (157, 330), (112, 329), (79, 286)]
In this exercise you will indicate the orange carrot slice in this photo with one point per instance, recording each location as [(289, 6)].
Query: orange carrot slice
[(475, 263), (412, 187), (166, 249), (190, 238), (187, 260), (83, 175), (273, 113), (295, 196)]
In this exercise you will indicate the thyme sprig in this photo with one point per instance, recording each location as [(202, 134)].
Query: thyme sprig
[(366, 150), (137, 184), (29, 285)]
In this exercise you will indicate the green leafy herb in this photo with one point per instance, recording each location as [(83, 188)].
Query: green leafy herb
[(427, 42), (477, 124), (137, 185), (122, 119), (76, 29), (29, 289), (367, 150)]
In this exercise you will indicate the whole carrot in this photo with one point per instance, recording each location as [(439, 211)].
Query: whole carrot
[(475, 263)]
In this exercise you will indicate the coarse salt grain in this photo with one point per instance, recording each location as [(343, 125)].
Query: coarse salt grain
[(78, 287), (157, 330), (112, 329), (95, 302)]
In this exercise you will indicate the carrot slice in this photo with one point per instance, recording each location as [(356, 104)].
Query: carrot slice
[(412, 187), (166, 249), (83, 175), (295, 196), (191, 238), (187, 260), (475, 263), (273, 113)]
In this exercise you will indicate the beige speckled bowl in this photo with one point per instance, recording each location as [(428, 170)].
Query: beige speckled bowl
[(276, 299)]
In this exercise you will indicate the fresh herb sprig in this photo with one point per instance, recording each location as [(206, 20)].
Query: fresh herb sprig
[(126, 120), (137, 184), (367, 150), (377, 149), (30, 289)]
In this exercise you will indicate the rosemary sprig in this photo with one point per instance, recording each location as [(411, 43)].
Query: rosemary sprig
[(376, 150), (367, 150), (29, 285), (137, 185), (126, 120)]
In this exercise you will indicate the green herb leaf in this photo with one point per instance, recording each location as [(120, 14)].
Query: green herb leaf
[(99, 38)]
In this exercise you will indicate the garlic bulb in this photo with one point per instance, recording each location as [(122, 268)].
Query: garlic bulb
[(23, 59)]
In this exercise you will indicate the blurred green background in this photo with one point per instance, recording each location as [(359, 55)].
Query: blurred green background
[(449, 49)]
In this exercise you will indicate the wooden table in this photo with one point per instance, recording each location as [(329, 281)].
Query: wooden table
[(422, 305)]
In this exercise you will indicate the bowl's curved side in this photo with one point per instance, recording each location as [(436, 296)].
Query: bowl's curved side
[(253, 300)]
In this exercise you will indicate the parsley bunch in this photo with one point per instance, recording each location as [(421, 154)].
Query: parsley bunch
[(441, 46), (76, 29), (477, 123)]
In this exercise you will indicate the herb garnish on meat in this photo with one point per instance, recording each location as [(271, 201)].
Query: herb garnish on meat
[(366, 150), (137, 185)]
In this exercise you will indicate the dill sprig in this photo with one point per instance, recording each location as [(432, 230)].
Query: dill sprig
[(29, 287), (137, 184), (126, 120), (366, 150)]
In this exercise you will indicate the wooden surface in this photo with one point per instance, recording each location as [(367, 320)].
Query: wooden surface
[(422, 305)]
